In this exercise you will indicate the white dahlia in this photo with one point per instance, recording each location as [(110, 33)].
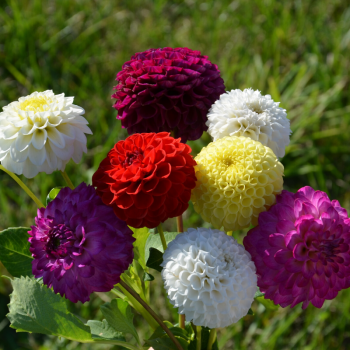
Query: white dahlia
[(209, 277), (250, 114), (41, 133)]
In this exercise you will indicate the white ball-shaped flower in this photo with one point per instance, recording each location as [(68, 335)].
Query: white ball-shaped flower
[(209, 277), (41, 133), (250, 114)]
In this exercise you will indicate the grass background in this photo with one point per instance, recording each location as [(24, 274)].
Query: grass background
[(297, 51)]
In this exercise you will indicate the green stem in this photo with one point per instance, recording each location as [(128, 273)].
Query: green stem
[(212, 337), (180, 228), (24, 187), (153, 314), (67, 179), (138, 307), (199, 338), (162, 237)]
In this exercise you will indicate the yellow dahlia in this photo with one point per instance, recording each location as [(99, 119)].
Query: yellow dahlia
[(237, 178)]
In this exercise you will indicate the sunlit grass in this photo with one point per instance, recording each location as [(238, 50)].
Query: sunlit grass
[(297, 51)]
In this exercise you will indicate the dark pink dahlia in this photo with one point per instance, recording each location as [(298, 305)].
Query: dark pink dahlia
[(301, 249), (78, 244), (167, 90)]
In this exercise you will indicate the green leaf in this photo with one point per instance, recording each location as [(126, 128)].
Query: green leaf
[(148, 277), (118, 314), (141, 236), (165, 343), (53, 194), (177, 331), (104, 331), (14, 251), (204, 341), (153, 241), (269, 304), (258, 293), (36, 308), (155, 259), (250, 312)]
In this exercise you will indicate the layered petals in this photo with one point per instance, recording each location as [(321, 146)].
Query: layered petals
[(78, 244), (305, 256), (147, 179), (167, 90), (41, 133)]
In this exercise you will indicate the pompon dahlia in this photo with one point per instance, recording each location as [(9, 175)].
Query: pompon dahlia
[(250, 114), (167, 89), (147, 179), (41, 133), (209, 277), (301, 249), (79, 246), (237, 178)]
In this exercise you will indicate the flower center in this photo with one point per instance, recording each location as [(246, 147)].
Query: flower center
[(329, 247), (59, 240), (131, 157), (36, 104)]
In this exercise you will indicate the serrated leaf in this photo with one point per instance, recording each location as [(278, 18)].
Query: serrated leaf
[(269, 304), (14, 251), (104, 331), (153, 241), (155, 259), (35, 308), (53, 194), (148, 277), (119, 315), (258, 293), (141, 236)]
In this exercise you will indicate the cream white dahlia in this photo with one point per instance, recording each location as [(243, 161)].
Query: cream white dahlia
[(41, 133), (250, 114), (209, 277)]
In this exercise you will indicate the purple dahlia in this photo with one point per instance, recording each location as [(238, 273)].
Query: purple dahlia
[(167, 90), (79, 245), (301, 249)]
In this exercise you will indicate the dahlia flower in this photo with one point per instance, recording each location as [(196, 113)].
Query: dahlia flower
[(41, 133), (167, 90), (209, 277), (250, 114), (301, 249), (147, 179), (237, 178), (79, 246)]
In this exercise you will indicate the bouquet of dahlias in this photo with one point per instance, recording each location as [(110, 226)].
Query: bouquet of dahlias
[(106, 237)]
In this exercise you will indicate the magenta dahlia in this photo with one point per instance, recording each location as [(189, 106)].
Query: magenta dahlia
[(78, 244), (301, 249), (167, 90)]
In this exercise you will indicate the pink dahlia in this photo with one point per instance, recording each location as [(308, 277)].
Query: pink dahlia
[(78, 244), (167, 90), (301, 249)]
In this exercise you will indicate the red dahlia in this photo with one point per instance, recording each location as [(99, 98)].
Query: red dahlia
[(167, 89), (147, 179)]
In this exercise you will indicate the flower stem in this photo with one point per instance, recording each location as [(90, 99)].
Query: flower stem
[(180, 224), (180, 228), (212, 337), (162, 237), (24, 187), (67, 179), (199, 338), (152, 313)]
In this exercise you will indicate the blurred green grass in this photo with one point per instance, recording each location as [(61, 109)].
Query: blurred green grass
[(297, 51)]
